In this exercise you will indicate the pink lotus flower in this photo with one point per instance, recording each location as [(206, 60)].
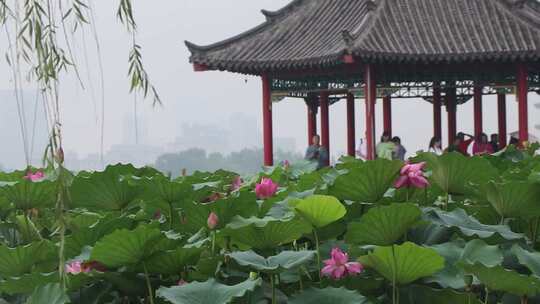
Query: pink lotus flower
[(266, 189), (236, 183), (74, 267), (93, 265), (34, 177), (181, 282), (77, 267), (339, 266), (412, 175), (212, 221)]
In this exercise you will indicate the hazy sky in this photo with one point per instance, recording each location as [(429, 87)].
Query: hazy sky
[(208, 97)]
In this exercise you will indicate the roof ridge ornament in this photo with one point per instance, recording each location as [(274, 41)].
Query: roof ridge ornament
[(348, 38), (269, 15), (371, 5)]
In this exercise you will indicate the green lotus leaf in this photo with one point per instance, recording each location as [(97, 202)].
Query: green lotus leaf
[(468, 225), (425, 295), (302, 167), (405, 263), (384, 225), (514, 199), (129, 170), (329, 295), (265, 233), (320, 210), (173, 261), (27, 283), (529, 259), (196, 214), (21, 260), (105, 190), (457, 252), (209, 292), (285, 260), (88, 236), (500, 279), (127, 247), (453, 172), (170, 191), (48, 294), (25, 195), (366, 182)]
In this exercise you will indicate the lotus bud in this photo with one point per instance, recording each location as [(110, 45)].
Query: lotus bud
[(212, 221), (253, 276)]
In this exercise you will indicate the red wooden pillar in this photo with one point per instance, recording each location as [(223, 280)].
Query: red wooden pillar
[(387, 114), (312, 121), (522, 91), (351, 132), (437, 115), (501, 105), (478, 118), (371, 97), (451, 108), (267, 122), (325, 125)]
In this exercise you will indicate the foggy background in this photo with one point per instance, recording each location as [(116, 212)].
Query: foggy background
[(213, 111)]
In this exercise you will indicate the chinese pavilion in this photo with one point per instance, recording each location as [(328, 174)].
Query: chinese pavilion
[(444, 51)]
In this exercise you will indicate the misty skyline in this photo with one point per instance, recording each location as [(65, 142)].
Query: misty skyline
[(206, 99)]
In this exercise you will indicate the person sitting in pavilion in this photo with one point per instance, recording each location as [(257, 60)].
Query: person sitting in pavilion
[(464, 144), (482, 146), (514, 141), (399, 149), (317, 153), (362, 149), (435, 146), (495, 142), (385, 149)]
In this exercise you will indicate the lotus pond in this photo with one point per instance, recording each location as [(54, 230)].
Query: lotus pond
[(456, 230)]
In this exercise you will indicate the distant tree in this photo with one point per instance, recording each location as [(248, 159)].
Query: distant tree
[(247, 161)]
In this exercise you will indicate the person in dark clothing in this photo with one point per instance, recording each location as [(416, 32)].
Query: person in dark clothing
[(514, 141), (399, 150), (317, 153), (495, 142), (454, 147)]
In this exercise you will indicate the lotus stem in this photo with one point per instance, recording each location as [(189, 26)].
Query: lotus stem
[(486, 300), (524, 300), (446, 201), (395, 298), (171, 216), (272, 282), (213, 243), (148, 285), (536, 232), (316, 236)]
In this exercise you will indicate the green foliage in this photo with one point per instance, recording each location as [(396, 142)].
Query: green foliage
[(500, 279), (319, 210), (384, 225), (209, 292), (457, 253), (405, 263), (127, 247), (329, 295), (136, 232), (454, 172), (285, 260), (365, 182), (49, 294)]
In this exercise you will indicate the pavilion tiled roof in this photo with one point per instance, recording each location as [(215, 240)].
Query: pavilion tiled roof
[(309, 34)]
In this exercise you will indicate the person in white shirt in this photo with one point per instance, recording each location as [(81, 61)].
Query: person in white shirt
[(362, 149), (435, 146)]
